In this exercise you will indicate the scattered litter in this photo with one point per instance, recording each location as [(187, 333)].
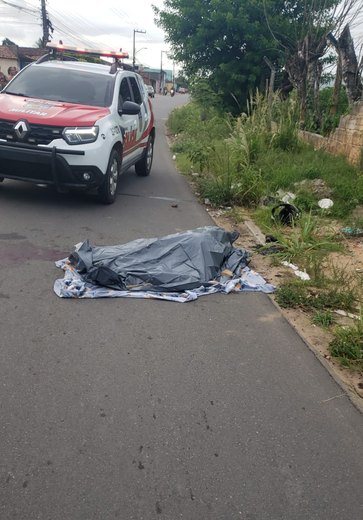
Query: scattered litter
[(347, 314), (285, 213), (268, 200), (267, 249), (207, 202), (179, 267), (195, 174), (174, 157), (317, 186), (175, 205), (270, 238), (286, 196), (325, 203), (301, 274), (352, 232)]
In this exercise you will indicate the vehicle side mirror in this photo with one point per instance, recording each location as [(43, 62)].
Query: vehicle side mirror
[(129, 108)]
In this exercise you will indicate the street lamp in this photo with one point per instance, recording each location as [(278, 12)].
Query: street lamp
[(161, 69), (133, 47), (142, 48)]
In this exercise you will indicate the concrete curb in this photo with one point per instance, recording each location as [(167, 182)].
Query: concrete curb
[(348, 391)]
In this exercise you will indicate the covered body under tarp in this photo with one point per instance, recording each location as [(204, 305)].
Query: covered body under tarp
[(177, 267)]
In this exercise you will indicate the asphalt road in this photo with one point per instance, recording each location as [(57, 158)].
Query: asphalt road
[(136, 409)]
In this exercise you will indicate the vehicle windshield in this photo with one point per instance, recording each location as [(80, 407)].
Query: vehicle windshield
[(61, 84)]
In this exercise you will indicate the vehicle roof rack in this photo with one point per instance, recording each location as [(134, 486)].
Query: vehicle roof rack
[(68, 53)]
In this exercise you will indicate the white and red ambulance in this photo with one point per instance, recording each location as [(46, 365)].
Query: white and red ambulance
[(75, 124)]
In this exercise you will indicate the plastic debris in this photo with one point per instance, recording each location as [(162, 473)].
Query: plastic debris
[(286, 196), (325, 203), (301, 274), (340, 312), (352, 232), (285, 213)]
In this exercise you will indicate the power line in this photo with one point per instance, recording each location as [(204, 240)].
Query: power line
[(21, 8)]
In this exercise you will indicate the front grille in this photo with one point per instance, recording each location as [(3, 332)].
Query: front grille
[(39, 134)]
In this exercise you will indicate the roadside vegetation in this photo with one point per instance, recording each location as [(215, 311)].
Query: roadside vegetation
[(246, 165), (242, 152)]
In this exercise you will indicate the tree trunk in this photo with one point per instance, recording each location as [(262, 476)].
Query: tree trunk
[(304, 71), (315, 68), (297, 71), (350, 68), (337, 87)]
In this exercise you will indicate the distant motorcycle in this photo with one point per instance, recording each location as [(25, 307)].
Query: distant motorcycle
[(172, 92)]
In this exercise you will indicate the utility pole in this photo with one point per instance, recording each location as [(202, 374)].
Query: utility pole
[(161, 70), (133, 47), (46, 23)]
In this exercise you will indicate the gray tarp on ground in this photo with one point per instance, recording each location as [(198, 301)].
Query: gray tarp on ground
[(179, 268), (178, 262)]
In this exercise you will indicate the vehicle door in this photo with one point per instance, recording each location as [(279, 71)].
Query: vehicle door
[(141, 99), (129, 126)]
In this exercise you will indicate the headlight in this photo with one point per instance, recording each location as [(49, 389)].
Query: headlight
[(80, 135)]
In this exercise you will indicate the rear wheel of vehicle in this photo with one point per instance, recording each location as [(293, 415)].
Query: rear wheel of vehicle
[(143, 167), (108, 190), (2, 179)]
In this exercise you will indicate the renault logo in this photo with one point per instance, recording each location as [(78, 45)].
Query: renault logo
[(21, 129)]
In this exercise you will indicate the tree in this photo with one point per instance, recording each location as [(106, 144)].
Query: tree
[(347, 67), (222, 40), (39, 43), (301, 30), (237, 45), (8, 43)]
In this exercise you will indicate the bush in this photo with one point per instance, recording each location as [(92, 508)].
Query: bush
[(258, 153), (348, 346), (325, 122), (228, 178), (291, 295)]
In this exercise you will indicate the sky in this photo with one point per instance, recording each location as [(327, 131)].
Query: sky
[(108, 24), (84, 23)]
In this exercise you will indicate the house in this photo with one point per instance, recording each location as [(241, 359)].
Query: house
[(28, 54), (8, 58), (156, 77), (19, 57)]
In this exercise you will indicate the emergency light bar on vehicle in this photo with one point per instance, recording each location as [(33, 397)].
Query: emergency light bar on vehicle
[(92, 52)]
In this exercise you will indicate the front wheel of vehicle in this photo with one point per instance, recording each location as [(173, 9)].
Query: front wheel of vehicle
[(108, 190), (143, 167)]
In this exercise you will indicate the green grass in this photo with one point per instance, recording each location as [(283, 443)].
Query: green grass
[(305, 242), (292, 295), (184, 164), (347, 346), (225, 150), (241, 162), (305, 295), (281, 169), (324, 319)]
